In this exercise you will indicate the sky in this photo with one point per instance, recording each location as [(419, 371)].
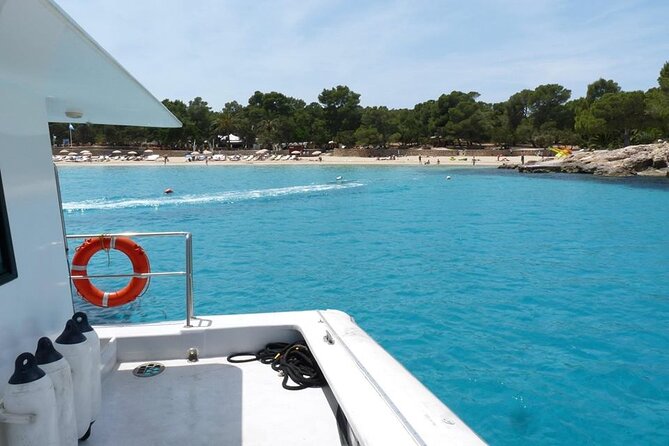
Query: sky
[(394, 53)]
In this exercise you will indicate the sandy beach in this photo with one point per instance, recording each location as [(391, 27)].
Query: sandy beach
[(434, 161)]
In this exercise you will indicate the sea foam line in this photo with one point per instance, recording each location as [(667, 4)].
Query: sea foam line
[(223, 197)]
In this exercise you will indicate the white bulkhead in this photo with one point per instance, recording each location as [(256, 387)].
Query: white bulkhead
[(50, 71)]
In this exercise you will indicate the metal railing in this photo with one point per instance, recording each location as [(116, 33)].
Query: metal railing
[(188, 273)]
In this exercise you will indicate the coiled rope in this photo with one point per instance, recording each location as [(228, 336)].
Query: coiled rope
[(294, 361)]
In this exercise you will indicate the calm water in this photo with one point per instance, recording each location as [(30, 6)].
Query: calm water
[(536, 307)]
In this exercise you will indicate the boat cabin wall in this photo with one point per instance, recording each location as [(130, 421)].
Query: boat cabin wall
[(37, 302)]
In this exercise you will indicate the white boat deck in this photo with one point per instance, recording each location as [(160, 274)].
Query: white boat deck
[(211, 402), (215, 402)]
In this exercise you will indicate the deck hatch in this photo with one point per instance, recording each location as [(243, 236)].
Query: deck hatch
[(148, 370)]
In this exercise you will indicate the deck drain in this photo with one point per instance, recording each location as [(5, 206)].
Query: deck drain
[(148, 370)]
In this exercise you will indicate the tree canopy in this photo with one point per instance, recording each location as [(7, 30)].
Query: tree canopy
[(605, 116), (599, 88)]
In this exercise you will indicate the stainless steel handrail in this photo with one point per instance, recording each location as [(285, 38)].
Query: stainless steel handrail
[(188, 237)]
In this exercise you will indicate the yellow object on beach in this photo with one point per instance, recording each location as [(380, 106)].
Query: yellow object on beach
[(561, 152)]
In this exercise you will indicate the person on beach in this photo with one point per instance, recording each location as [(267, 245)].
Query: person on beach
[(420, 159), (165, 159), (438, 162), (473, 160), (522, 159)]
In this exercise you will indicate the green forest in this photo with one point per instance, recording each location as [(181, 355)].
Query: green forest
[(605, 117)]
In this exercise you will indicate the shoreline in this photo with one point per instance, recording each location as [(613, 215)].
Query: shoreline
[(464, 161)]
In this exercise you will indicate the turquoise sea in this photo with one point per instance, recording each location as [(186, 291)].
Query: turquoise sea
[(535, 307)]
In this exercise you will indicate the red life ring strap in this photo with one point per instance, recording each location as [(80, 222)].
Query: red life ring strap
[(134, 288)]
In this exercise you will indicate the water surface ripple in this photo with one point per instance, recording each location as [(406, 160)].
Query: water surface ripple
[(536, 307)]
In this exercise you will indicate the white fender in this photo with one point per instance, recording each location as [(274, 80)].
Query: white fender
[(58, 369), (30, 392), (81, 320), (74, 346)]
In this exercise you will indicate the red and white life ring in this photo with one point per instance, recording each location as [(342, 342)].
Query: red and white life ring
[(96, 296)]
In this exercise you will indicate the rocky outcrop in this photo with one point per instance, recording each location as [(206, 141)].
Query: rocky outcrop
[(646, 159)]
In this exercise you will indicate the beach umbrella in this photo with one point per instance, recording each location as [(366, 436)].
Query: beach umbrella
[(72, 153), (64, 151), (116, 152), (207, 152), (316, 153), (195, 153), (295, 152), (262, 151), (132, 152), (85, 152), (148, 151)]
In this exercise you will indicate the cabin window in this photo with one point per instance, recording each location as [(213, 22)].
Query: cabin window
[(7, 262)]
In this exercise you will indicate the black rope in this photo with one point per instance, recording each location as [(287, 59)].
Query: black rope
[(294, 361)]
